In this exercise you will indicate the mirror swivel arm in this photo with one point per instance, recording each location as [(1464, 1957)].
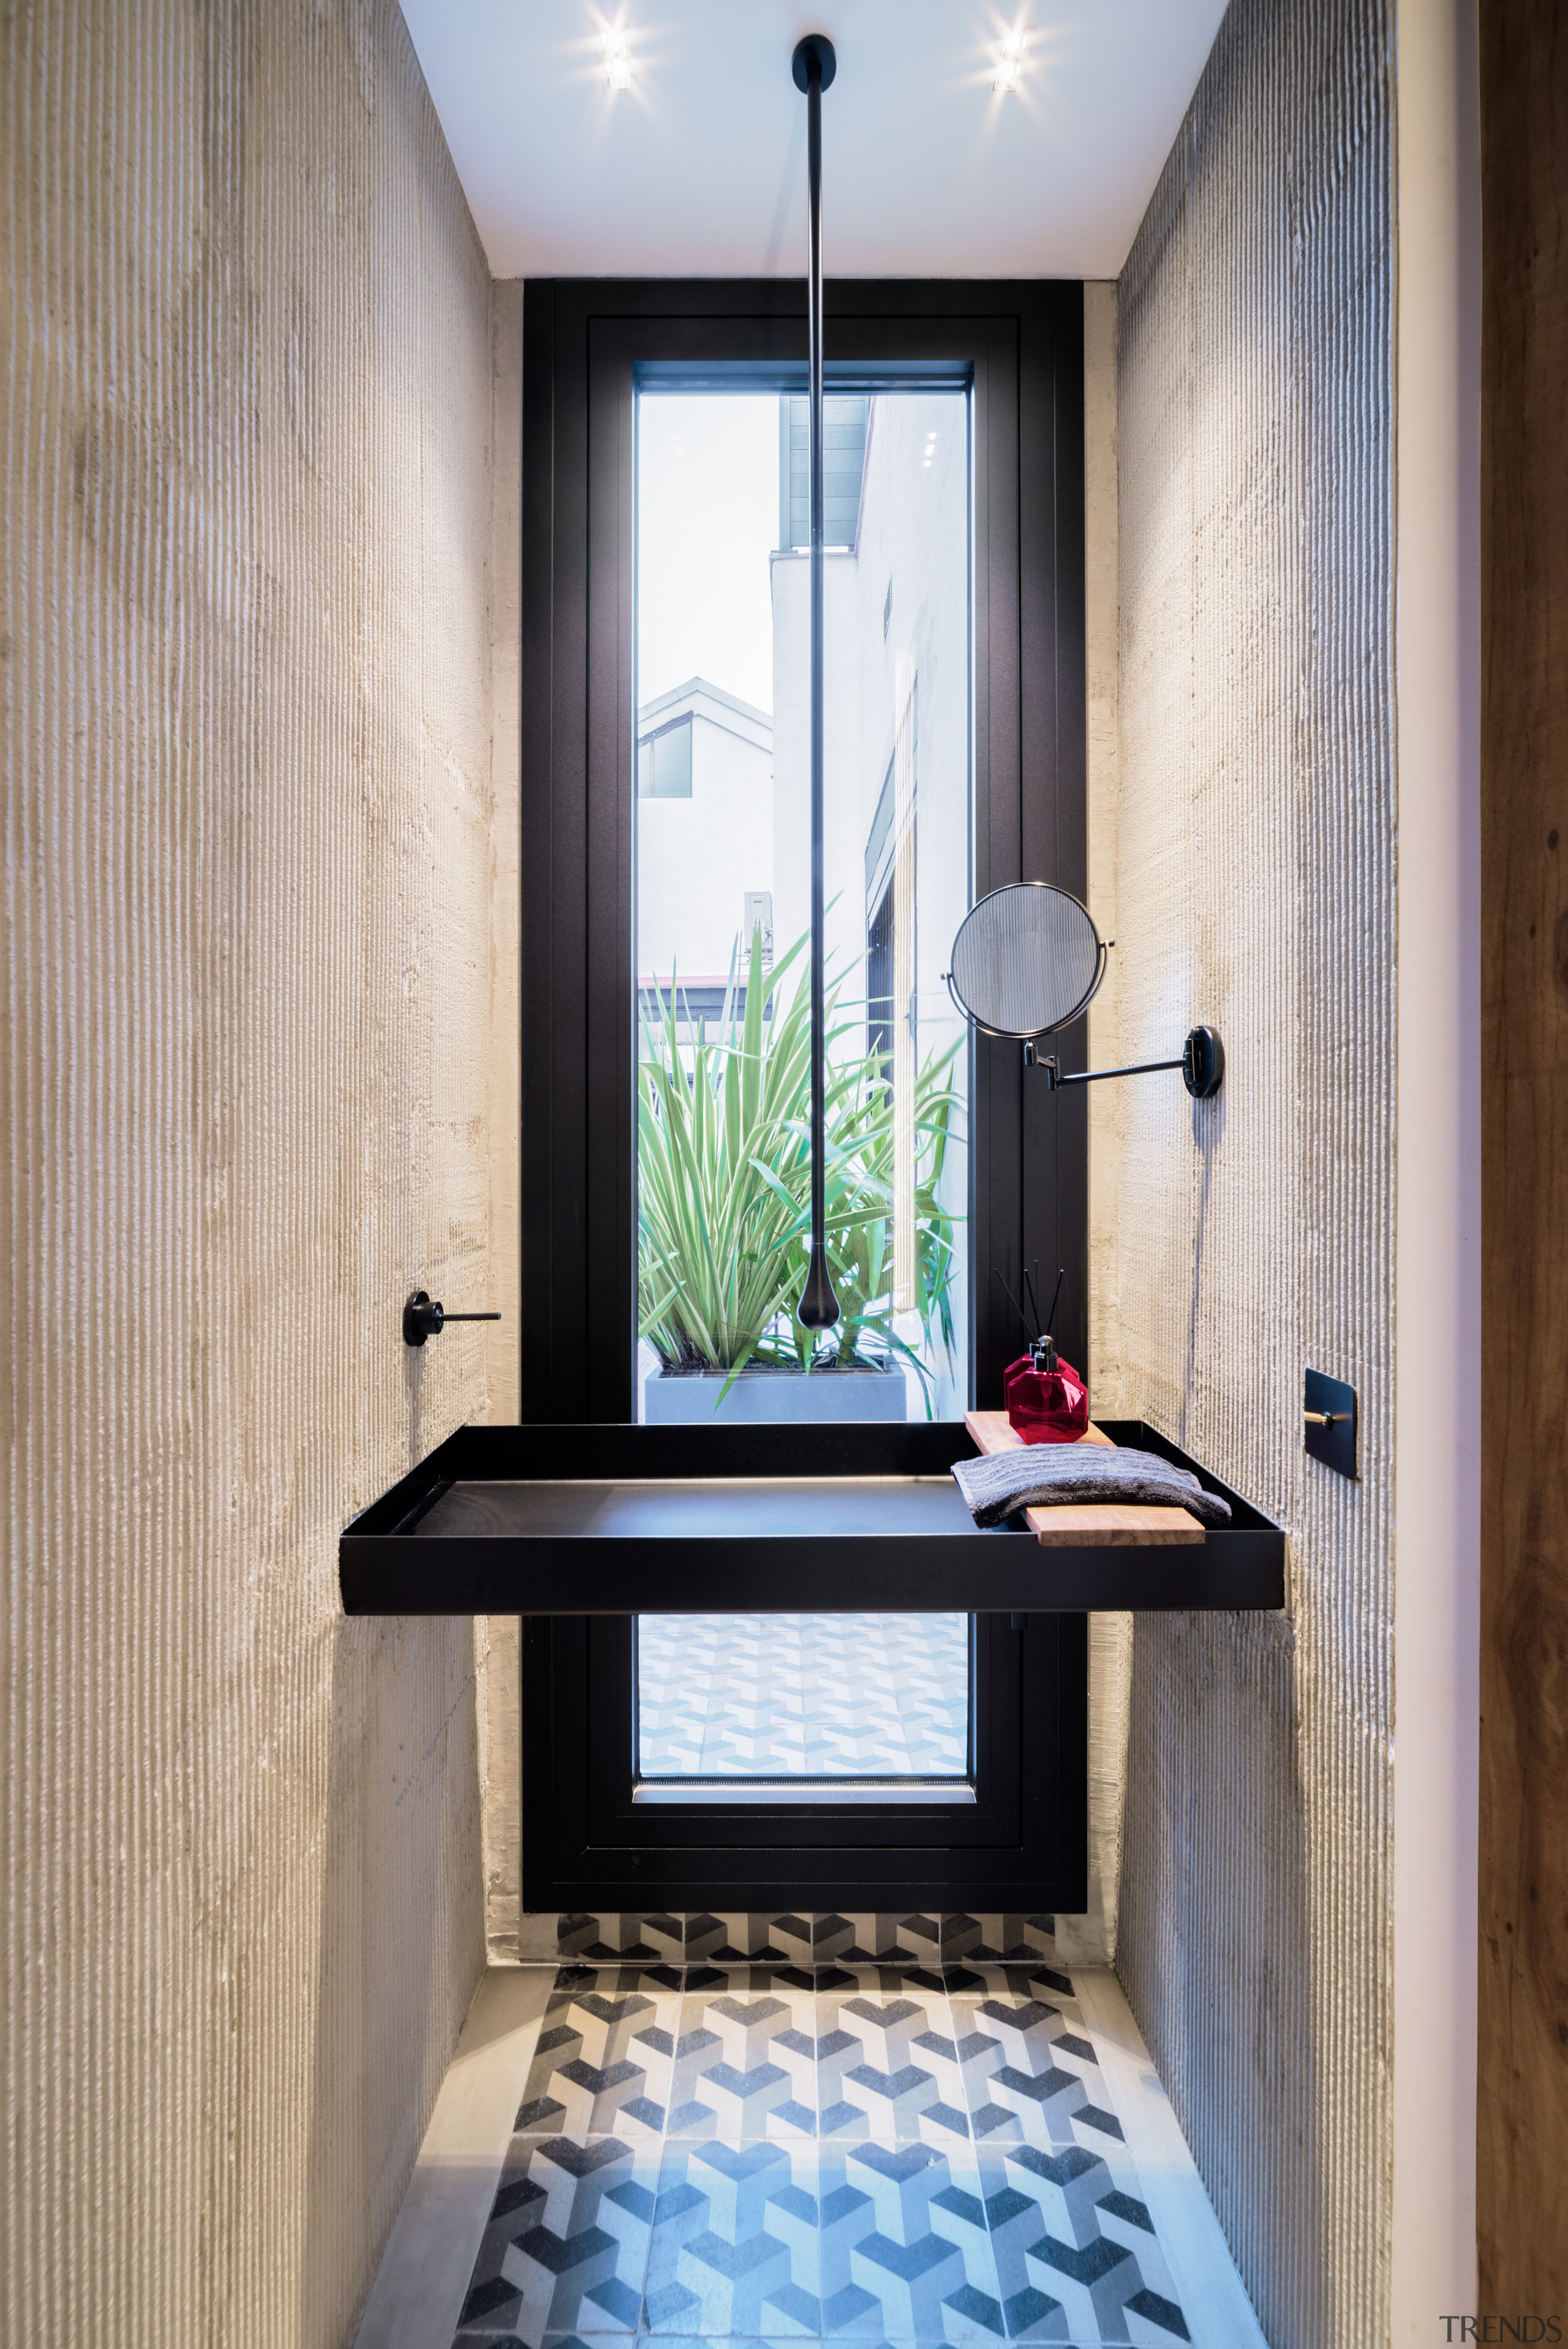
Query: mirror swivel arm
[(1054, 1079), (1202, 1066)]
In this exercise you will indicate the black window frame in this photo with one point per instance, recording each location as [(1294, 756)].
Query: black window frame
[(1024, 1843)]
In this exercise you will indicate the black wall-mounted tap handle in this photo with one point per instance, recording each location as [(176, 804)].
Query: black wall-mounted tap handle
[(425, 1317)]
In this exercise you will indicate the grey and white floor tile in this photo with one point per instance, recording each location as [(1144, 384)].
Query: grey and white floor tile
[(820, 2243), (1069, 2238), (608, 2054), (733, 2249), (887, 2094), (566, 2249), (756, 2026), (902, 1938), (859, 2154)]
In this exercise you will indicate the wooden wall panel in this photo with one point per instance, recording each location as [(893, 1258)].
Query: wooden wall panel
[(1523, 2116)]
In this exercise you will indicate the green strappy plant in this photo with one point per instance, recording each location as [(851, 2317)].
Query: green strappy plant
[(724, 1169)]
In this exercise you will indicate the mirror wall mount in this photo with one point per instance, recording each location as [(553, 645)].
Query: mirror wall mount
[(425, 1317), (813, 66), (1202, 1066)]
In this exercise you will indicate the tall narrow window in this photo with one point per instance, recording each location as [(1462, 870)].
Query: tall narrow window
[(859, 1707), (666, 588)]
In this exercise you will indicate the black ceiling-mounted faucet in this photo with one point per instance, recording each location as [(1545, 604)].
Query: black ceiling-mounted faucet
[(813, 66)]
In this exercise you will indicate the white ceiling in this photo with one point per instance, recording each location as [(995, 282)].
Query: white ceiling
[(699, 169)]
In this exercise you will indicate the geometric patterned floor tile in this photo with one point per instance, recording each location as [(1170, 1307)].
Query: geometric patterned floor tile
[(567, 2243), (899, 1938), (820, 2243), (892, 2095), (734, 2241), (1060, 2225), (1031, 2072), (756, 2073), (825, 2154), (607, 2060)]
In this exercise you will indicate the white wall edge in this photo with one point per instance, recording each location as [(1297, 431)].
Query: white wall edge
[(423, 2279), (1438, 1169), (1207, 2285)]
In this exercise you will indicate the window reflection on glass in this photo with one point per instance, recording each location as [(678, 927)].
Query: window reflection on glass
[(723, 911), (809, 1696)]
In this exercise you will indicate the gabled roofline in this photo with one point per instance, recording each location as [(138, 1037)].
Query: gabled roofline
[(695, 687)]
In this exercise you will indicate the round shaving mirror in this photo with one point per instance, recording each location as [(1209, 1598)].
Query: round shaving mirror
[(1028, 960)]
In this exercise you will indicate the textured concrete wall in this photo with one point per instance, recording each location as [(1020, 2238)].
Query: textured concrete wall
[(246, 401), (1254, 845), (1093, 1937), (499, 1637)]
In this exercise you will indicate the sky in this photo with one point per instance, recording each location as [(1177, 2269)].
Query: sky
[(707, 519)]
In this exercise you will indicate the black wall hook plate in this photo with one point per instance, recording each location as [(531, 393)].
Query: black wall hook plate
[(1330, 1422)]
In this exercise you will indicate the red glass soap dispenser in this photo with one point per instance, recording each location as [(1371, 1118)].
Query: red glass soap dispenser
[(1047, 1402)]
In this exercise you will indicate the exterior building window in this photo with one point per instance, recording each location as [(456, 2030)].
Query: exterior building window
[(878, 981), (664, 762), (846, 428)]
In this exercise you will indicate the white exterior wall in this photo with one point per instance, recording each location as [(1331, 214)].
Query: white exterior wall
[(913, 530), (849, 796), (696, 858)]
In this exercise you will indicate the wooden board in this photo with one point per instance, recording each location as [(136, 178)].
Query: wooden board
[(1521, 2102), (1118, 1523)]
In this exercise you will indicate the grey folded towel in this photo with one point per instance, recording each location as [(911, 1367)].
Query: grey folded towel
[(1058, 1475)]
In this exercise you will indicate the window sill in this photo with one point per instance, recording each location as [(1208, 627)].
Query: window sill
[(836, 1791)]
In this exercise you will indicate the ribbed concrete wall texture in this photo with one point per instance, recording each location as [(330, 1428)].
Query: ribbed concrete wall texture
[(1255, 869), (1109, 1636), (245, 513)]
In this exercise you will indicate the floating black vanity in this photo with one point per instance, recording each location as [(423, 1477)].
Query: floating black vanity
[(613, 1520)]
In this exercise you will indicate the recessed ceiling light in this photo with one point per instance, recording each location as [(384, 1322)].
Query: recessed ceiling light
[(617, 63), (1010, 64)]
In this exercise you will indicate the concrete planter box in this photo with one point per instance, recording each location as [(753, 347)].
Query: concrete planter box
[(688, 1400)]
